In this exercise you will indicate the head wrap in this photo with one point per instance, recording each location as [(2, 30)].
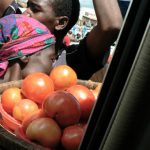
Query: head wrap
[(19, 36)]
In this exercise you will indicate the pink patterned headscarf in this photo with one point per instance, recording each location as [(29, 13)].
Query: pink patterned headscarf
[(19, 36)]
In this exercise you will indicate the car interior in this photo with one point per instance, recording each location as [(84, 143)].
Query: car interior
[(120, 118)]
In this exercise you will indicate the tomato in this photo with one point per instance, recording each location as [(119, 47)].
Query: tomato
[(63, 77), (35, 115), (63, 107), (72, 136), (20, 134), (85, 98), (83, 124), (24, 108), (45, 131), (37, 86), (9, 98)]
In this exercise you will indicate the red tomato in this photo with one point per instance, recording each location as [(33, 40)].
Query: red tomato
[(24, 108), (85, 98), (9, 98), (63, 77), (37, 86), (63, 107), (72, 136)]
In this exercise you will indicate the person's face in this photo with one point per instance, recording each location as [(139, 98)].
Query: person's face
[(40, 62), (42, 11)]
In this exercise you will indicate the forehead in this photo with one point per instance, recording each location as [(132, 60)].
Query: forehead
[(44, 5), (41, 2)]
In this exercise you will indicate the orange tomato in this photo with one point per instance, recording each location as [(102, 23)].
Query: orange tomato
[(9, 98), (37, 86), (24, 108), (63, 77)]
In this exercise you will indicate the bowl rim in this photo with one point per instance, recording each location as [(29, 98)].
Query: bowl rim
[(8, 116)]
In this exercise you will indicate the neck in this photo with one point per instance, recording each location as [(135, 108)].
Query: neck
[(4, 5), (12, 73), (59, 41)]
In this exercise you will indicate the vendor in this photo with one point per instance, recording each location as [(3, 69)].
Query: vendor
[(26, 46)]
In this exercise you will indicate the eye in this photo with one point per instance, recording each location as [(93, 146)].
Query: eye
[(52, 57), (34, 8)]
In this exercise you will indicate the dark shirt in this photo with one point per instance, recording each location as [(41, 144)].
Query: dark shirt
[(76, 56), (123, 4), (12, 9)]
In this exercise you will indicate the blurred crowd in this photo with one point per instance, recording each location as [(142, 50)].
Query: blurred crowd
[(78, 32), (22, 3)]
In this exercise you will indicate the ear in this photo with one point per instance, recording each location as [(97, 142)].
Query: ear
[(61, 22)]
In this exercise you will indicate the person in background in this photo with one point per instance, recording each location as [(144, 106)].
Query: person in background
[(26, 46), (66, 40), (92, 52), (71, 36), (8, 7), (84, 29), (78, 37), (74, 29)]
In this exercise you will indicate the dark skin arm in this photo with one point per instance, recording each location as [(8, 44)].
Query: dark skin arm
[(109, 22), (3, 5)]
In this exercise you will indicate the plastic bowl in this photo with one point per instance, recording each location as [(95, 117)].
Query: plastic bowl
[(8, 120), (20, 134)]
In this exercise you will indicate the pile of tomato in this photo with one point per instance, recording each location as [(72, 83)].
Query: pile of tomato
[(52, 110)]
